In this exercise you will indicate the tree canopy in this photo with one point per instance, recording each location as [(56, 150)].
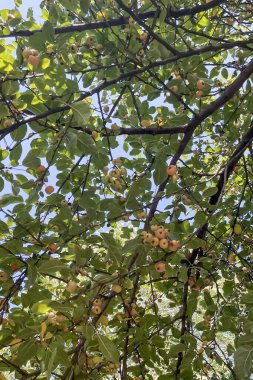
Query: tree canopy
[(126, 190)]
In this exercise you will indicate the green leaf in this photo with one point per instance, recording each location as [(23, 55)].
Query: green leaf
[(160, 169), (48, 31), (210, 191), (8, 199), (243, 361), (86, 144), (41, 307), (84, 5), (31, 160), (108, 349), (51, 363), (27, 350), (81, 112), (50, 266)]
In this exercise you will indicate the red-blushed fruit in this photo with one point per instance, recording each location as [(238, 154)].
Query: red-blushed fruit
[(199, 94), (174, 245), (96, 309), (71, 286), (163, 243), (15, 267), (160, 267), (60, 318), (49, 189), (171, 170), (33, 60), (133, 313), (52, 247), (200, 84), (10, 17), (41, 169), (116, 288)]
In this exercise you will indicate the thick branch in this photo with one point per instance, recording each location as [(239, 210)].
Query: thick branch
[(128, 75), (196, 121), (172, 12)]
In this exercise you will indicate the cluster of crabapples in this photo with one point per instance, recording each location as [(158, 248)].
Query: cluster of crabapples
[(158, 238), (200, 87), (115, 177), (31, 56), (41, 169)]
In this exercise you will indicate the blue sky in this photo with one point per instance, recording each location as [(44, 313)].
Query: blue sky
[(10, 4)]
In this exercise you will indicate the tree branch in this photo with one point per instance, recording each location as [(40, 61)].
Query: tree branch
[(172, 12), (196, 121), (127, 75)]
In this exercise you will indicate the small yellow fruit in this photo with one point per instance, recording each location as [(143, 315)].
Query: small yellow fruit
[(50, 49), (115, 127), (126, 217), (144, 36), (26, 53), (155, 241), (237, 229), (117, 162), (60, 318), (4, 276), (171, 170), (97, 302), (141, 215), (160, 233), (73, 48), (94, 134), (134, 313), (146, 123), (116, 288), (231, 258), (130, 21), (96, 310), (163, 243), (71, 286), (174, 89), (7, 123)]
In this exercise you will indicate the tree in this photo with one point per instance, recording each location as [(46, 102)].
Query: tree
[(127, 184)]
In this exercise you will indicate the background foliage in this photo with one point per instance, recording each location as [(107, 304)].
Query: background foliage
[(112, 93)]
